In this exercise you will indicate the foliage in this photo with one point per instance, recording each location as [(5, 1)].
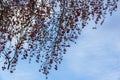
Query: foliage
[(44, 28)]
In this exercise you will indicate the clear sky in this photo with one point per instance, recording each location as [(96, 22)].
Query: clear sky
[(96, 56)]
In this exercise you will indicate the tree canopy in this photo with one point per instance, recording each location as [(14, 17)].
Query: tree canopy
[(43, 29)]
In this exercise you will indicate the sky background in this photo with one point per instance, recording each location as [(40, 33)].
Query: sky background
[(96, 56)]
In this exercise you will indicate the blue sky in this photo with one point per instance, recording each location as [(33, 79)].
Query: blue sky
[(96, 56)]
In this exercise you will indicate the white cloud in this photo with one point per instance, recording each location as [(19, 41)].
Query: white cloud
[(112, 76), (96, 54)]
